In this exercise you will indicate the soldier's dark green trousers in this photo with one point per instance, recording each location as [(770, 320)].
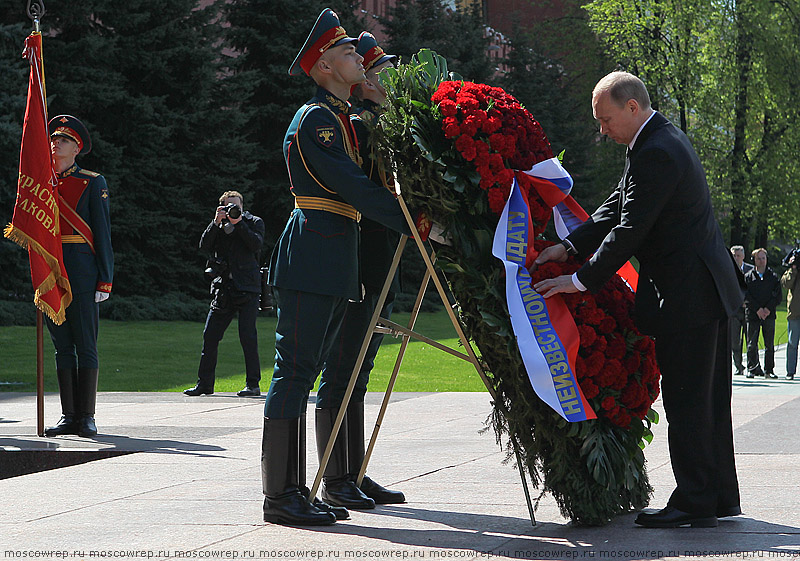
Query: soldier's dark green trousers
[(308, 324)]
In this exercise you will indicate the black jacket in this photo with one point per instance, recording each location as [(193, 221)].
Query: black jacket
[(762, 293), (661, 213), (240, 250)]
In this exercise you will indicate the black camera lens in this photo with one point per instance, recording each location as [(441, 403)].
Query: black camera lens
[(233, 211)]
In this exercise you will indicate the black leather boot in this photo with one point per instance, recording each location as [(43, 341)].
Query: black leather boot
[(66, 391), (355, 453), (86, 399), (339, 512), (280, 458), (337, 487)]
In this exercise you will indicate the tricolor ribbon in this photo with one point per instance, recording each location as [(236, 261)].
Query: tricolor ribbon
[(546, 334), (554, 185)]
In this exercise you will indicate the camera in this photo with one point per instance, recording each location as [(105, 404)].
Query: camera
[(233, 210), (791, 257), (216, 268)]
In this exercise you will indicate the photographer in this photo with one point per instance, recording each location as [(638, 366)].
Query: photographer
[(233, 244), (789, 282)]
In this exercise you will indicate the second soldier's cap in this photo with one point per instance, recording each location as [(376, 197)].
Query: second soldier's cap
[(373, 54), (326, 33), (72, 128)]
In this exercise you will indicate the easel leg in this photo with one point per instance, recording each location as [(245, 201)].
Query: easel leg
[(400, 355)]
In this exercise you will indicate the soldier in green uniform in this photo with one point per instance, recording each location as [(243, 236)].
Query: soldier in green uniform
[(378, 244), (314, 267), (89, 261)]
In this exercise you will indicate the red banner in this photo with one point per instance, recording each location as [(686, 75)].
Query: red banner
[(35, 223)]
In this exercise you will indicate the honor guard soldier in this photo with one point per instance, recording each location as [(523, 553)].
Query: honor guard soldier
[(378, 244), (89, 261), (314, 270)]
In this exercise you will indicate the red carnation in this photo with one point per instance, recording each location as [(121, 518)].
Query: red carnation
[(497, 200), (448, 108), (466, 146), (587, 334)]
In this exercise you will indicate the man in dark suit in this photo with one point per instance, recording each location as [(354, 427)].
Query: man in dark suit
[(737, 319), (688, 288), (89, 259), (761, 301)]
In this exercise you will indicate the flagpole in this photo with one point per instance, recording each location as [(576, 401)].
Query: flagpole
[(35, 12), (39, 373)]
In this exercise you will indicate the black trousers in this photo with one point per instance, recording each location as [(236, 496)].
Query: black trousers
[(223, 309), (696, 388), (767, 329)]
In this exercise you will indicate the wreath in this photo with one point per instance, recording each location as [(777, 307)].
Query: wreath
[(462, 146)]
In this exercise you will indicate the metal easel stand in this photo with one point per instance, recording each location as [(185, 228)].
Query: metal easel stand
[(382, 325)]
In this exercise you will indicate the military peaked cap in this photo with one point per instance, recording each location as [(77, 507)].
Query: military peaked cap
[(326, 33), (369, 49), (72, 128)]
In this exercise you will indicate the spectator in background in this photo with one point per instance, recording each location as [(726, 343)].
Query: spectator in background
[(737, 319), (760, 302), (789, 282), (232, 242)]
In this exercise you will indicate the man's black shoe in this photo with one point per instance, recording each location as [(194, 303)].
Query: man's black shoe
[(197, 390), (790, 376), (770, 375), (249, 392), (294, 510), (750, 375), (671, 517), (87, 427), (380, 494), (66, 425), (729, 511)]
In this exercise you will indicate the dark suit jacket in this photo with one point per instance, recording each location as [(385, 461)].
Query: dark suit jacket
[(241, 250), (661, 213), (762, 292)]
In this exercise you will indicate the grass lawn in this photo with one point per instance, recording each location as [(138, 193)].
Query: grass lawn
[(163, 356)]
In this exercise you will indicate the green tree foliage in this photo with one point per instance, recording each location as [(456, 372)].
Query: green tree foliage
[(726, 73), (557, 91), (166, 118), (458, 35), (15, 280)]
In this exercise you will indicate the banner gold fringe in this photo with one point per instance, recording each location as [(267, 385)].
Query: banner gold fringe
[(27, 242)]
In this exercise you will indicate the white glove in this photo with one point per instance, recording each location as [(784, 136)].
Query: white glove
[(100, 296), (437, 234)]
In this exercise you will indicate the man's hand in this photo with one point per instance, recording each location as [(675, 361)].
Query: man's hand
[(549, 287), (220, 216), (763, 313), (556, 253)]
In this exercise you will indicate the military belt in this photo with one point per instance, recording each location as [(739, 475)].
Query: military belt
[(336, 207), (72, 239)]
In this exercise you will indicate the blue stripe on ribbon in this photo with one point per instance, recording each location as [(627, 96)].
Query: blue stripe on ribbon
[(542, 351)]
